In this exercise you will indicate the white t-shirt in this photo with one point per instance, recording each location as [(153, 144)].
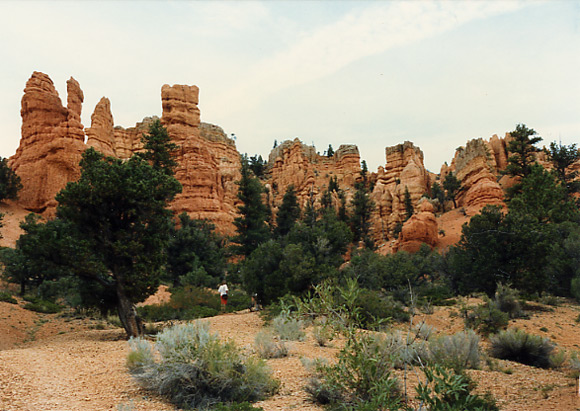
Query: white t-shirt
[(223, 289)]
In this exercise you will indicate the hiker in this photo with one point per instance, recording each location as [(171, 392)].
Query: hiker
[(223, 291)]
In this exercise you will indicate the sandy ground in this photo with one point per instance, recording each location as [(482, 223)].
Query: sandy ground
[(51, 362)]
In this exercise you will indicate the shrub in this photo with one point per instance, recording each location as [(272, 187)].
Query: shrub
[(6, 297), (42, 306), (140, 354), (266, 347), (241, 406), (485, 318), (517, 345), (288, 328), (375, 306), (322, 335), (194, 369), (400, 348), (458, 351), (446, 391), (506, 299)]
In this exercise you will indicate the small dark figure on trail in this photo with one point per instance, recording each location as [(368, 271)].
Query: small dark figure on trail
[(223, 291), (255, 304)]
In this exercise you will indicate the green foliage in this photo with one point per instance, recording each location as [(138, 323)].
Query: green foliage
[(287, 328), (452, 187), (522, 151), (158, 148), (9, 181), (375, 306), (446, 391), (240, 406), (517, 345), (267, 348), (288, 213), (330, 151), (506, 299), (6, 297), (541, 198), (187, 303), (120, 207), (42, 306), (457, 352), (437, 193), (251, 225), (257, 165), (306, 255), (562, 157), (362, 207), (485, 318), (195, 254), (193, 368), (409, 210)]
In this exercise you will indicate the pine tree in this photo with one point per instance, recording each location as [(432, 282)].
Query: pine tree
[(330, 151), (521, 149), (251, 225), (409, 210), (9, 181), (362, 207), (452, 186), (288, 213), (562, 157)]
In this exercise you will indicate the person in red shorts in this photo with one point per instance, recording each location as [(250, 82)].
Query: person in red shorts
[(223, 291)]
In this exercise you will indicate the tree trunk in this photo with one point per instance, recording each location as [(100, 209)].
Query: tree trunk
[(128, 314)]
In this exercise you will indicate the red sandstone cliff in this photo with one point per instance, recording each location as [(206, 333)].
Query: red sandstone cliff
[(52, 142)]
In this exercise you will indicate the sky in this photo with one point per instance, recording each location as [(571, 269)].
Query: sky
[(370, 73)]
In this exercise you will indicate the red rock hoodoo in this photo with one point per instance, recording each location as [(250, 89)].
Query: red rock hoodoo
[(52, 142), (420, 229)]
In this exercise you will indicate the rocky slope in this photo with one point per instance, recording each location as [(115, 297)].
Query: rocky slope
[(53, 140)]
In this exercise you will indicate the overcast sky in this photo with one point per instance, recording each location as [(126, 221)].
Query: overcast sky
[(372, 73)]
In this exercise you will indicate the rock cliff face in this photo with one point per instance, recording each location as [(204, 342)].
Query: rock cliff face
[(52, 142), (207, 167), (404, 170), (477, 167), (420, 228), (295, 163)]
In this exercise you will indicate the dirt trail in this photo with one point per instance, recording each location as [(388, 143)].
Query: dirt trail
[(48, 362)]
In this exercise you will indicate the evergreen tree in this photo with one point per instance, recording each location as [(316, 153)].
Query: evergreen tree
[(362, 207), (251, 224), (409, 210), (195, 254), (330, 151), (288, 213), (562, 157), (452, 186), (364, 172), (159, 148), (9, 181), (437, 193), (522, 150), (257, 165), (120, 207)]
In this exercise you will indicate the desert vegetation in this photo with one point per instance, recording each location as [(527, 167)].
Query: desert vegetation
[(114, 241)]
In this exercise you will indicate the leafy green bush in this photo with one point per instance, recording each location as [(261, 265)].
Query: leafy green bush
[(266, 347), (458, 351), (6, 297), (446, 391), (485, 318), (193, 368), (376, 306), (517, 345), (43, 306), (241, 406), (288, 328), (506, 299)]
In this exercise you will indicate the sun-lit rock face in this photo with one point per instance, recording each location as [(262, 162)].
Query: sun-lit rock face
[(404, 171), (420, 229), (295, 163), (207, 167), (101, 134), (476, 167), (52, 142)]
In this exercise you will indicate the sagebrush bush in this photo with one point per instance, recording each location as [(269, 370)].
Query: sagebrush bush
[(140, 354), (288, 328), (458, 351), (193, 368), (322, 335), (400, 348), (266, 347), (517, 345)]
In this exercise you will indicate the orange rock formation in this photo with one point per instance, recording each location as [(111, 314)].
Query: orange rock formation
[(421, 228), (52, 142)]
